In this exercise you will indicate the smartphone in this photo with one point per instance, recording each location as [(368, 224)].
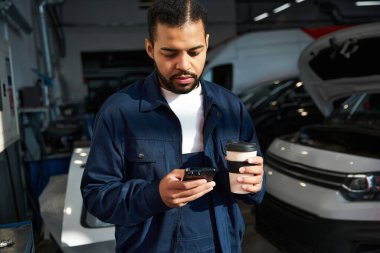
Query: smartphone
[(192, 173)]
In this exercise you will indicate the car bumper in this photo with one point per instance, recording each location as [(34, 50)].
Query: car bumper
[(294, 230), (303, 177)]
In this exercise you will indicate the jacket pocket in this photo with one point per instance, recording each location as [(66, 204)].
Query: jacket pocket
[(224, 142), (144, 159)]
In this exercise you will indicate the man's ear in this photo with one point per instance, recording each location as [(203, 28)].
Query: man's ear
[(149, 48), (207, 38)]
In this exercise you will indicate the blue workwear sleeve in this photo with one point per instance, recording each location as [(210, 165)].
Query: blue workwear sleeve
[(248, 133), (107, 194)]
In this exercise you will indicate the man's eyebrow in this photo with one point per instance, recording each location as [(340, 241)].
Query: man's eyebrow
[(176, 50)]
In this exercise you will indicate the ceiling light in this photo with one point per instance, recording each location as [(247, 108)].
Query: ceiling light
[(281, 8), (299, 1), (367, 3), (261, 16), (144, 4)]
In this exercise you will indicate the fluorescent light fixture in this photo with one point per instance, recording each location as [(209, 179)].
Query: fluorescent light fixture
[(261, 16), (299, 1), (367, 3), (281, 8)]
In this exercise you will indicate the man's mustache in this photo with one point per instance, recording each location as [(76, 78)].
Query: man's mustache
[(184, 73)]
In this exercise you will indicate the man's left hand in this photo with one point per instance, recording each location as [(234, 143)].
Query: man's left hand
[(253, 183)]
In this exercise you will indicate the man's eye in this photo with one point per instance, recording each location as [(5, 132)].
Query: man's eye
[(170, 55), (193, 53)]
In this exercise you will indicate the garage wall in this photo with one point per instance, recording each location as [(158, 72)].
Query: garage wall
[(23, 45), (98, 25), (13, 203)]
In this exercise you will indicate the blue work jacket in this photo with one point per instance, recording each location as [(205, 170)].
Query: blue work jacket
[(137, 140)]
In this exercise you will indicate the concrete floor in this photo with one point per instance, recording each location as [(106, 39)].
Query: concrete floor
[(252, 241)]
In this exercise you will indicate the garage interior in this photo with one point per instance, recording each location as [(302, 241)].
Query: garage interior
[(61, 59)]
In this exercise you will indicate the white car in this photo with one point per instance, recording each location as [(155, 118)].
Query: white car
[(259, 57), (323, 182)]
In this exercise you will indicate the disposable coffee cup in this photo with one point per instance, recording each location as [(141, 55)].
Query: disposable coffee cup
[(237, 156)]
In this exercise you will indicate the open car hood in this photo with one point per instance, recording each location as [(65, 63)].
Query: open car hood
[(340, 64)]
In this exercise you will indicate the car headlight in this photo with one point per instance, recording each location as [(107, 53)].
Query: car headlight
[(361, 187)]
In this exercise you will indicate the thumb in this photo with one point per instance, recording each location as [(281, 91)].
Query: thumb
[(178, 173)]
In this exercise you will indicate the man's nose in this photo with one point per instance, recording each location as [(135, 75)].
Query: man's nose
[(183, 62)]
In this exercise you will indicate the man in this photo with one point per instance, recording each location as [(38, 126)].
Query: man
[(145, 134)]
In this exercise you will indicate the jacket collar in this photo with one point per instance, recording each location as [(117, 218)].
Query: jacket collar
[(151, 94), (209, 97)]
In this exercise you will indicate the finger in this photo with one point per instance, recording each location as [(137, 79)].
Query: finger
[(192, 197), (255, 160), (250, 180), (252, 188), (181, 186), (189, 184), (194, 190), (257, 169), (182, 198), (178, 173)]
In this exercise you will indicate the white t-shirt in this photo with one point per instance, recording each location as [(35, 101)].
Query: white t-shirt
[(189, 110)]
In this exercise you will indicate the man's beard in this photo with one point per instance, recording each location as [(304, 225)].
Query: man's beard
[(169, 85)]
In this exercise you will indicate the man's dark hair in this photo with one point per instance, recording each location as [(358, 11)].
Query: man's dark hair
[(175, 13)]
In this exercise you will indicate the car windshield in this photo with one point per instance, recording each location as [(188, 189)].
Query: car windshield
[(254, 97), (360, 109)]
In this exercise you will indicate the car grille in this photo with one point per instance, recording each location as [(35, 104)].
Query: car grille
[(320, 177)]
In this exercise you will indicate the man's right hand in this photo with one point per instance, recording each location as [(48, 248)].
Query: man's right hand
[(176, 193)]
